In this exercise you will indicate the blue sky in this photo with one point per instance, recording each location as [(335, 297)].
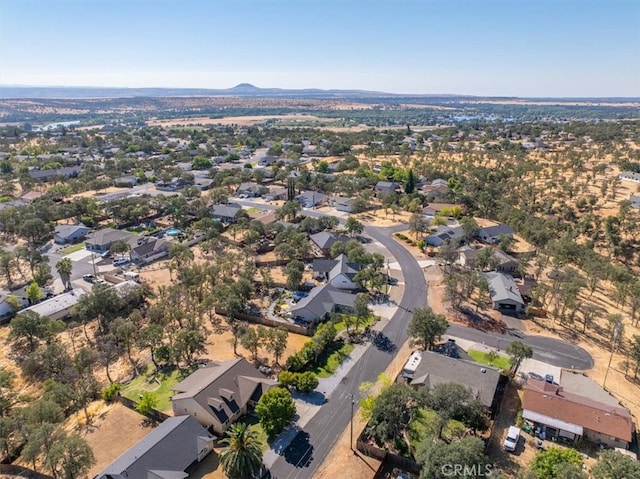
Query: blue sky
[(483, 47)]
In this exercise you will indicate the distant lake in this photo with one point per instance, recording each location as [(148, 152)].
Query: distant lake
[(53, 126)]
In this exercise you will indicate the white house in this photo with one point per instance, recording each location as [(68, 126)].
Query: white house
[(505, 294), (59, 306)]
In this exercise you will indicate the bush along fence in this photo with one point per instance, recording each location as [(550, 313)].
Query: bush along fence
[(292, 328), (154, 415)]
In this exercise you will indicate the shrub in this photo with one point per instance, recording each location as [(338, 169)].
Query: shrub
[(111, 391), (288, 379), (307, 382), (148, 402)]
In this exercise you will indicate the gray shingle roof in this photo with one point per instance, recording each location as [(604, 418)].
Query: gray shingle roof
[(436, 369), (497, 230), (503, 287), (322, 300), (209, 386), (169, 449), (326, 239)]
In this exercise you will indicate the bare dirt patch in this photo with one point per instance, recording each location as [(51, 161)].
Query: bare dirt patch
[(113, 431)]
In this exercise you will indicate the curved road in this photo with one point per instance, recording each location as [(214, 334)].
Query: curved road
[(309, 448)]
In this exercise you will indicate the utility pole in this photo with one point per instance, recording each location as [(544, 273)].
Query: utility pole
[(93, 261), (614, 341), (351, 423)]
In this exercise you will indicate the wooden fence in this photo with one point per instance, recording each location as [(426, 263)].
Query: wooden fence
[(293, 328)]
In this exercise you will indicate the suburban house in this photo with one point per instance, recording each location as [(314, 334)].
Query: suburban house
[(100, 241), (32, 195), (309, 199), (343, 204), (500, 261), (226, 213), (559, 413), (334, 296), (383, 188), (203, 184), (128, 181), (630, 176), (250, 190), (444, 234), (220, 393), (149, 249), (492, 234), (267, 160), (434, 209), (164, 453), (505, 295), (434, 368), (174, 185), (64, 234), (435, 191), (46, 175), (59, 306), (276, 194), (7, 310), (635, 201), (324, 240)]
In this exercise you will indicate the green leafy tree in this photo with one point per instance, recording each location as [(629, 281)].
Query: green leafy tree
[(251, 341), (306, 382), (438, 458), (518, 351), (391, 413), (241, 454), (276, 410), (34, 293), (426, 328), (294, 271), (548, 463), (119, 247), (70, 457), (410, 184), (613, 465), (276, 342), (42, 274), (353, 226)]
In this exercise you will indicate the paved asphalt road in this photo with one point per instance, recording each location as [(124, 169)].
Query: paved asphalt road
[(309, 448)]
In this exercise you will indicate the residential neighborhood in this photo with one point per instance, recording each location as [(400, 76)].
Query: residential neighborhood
[(222, 282)]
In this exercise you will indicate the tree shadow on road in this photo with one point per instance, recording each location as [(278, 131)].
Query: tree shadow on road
[(300, 452), (382, 342)]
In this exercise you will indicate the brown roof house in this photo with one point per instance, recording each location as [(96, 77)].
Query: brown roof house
[(562, 414), (220, 393)]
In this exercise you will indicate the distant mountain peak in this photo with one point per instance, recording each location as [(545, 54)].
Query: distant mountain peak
[(245, 87)]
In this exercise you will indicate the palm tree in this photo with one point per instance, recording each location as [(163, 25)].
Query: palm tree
[(64, 268), (241, 457)]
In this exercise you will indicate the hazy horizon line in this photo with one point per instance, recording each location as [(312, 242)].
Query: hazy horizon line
[(25, 85)]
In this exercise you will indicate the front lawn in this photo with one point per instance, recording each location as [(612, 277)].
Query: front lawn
[(160, 385), (332, 359), (500, 362), (71, 249)]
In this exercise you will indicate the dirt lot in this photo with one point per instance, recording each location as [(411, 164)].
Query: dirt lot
[(114, 430)]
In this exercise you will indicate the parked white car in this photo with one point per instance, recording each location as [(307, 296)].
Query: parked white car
[(511, 441)]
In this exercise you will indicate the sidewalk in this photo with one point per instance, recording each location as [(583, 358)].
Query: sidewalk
[(308, 405)]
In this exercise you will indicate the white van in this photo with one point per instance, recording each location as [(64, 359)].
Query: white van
[(511, 441)]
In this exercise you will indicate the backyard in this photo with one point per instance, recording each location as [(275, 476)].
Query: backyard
[(160, 384)]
